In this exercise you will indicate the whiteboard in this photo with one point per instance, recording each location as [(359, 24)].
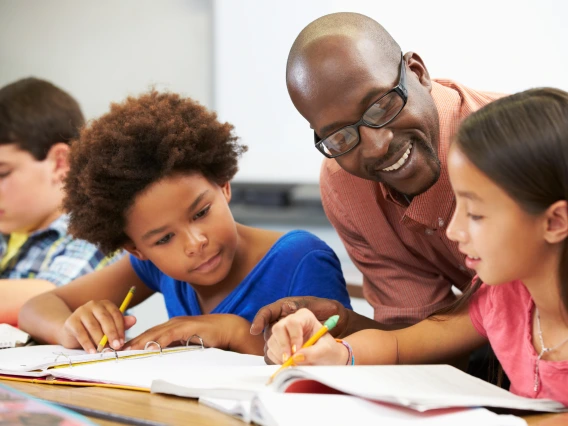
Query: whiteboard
[(498, 45)]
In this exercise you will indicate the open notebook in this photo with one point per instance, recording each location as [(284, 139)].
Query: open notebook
[(419, 387), (130, 369), (292, 409)]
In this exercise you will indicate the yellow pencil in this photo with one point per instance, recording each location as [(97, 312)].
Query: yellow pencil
[(328, 325), (122, 308)]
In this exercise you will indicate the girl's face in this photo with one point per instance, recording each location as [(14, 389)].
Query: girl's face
[(183, 224), (501, 241)]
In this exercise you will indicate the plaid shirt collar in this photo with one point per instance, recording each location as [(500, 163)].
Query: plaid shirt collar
[(59, 226)]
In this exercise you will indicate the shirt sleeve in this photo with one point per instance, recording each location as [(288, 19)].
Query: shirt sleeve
[(76, 259), (147, 272), (319, 274), (479, 306), (399, 286)]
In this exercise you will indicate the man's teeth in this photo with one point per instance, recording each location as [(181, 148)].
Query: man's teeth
[(400, 162)]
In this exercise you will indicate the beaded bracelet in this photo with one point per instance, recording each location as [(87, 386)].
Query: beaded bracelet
[(351, 358)]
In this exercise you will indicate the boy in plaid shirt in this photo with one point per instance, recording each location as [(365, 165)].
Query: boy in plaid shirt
[(37, 121)]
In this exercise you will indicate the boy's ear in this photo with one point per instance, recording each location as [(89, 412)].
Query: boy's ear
[(556, 222), (131, 248), (226, 189), (58, 155)]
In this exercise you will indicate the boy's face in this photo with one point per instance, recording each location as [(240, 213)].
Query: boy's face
[(30, 190), (183, 224)]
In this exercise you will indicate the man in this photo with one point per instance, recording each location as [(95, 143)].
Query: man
[(385, 127)]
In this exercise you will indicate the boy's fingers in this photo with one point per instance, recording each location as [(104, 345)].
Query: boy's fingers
[(129, 321), (108, 326), (82, 336), (93, 327)]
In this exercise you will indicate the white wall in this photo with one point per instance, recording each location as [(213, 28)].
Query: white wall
[(102, 51), (498, 45)]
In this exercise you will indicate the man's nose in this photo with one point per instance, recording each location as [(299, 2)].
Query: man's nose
[(375, 142)]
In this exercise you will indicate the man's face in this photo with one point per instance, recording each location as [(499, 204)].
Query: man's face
[(334, 85)]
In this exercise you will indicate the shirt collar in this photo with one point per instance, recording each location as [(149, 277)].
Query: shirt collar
[(433, 208)]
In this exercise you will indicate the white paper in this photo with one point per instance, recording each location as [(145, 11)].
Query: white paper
[(10, 336), (308, 409), (140, 372), (420, 387)]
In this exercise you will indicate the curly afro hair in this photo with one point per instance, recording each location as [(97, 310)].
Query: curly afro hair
[(136, 144)]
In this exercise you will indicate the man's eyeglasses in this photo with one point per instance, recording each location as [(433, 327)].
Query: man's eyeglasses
[(382, 112)]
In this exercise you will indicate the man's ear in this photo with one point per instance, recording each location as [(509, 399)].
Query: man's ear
[(131, 248), (226, 189), (416, 66), (556, 222), (58, 155)]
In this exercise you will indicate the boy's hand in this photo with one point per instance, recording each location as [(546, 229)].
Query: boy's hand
[(222, 331), (290, 333), (89, 323)]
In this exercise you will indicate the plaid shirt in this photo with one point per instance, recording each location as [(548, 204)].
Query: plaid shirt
[(52, 254)]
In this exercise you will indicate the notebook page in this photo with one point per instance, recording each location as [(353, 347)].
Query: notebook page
[(21, 360), (421, 387), (309, 409), (31, 358), (10, 336), (140, 372)]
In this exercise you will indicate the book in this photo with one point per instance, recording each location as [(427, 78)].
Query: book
[(19, 408), (418, 387), (283, 409), (12, 337)]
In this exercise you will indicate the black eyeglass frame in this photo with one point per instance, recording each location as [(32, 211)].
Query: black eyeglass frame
[(400, 89)]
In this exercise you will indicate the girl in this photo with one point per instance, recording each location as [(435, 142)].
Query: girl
[(509, 172), (152, 177)]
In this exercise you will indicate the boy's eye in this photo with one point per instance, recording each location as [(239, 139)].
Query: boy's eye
[(164, 240), (5, 174), (202, 213), (474, 216)]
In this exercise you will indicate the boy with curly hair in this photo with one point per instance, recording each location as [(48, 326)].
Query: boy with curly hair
[(37, 121), (152, 176)]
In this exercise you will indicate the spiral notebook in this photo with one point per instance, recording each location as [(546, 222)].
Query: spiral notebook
[(12, 337)]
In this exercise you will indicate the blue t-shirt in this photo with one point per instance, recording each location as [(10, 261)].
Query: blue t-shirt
[(298, 264)]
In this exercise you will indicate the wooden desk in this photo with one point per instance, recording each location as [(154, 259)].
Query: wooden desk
[(170, 410)]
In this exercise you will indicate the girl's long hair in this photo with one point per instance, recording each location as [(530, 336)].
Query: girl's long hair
[(521, 143)]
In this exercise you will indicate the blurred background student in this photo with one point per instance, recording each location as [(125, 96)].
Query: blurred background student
[(37, 121)]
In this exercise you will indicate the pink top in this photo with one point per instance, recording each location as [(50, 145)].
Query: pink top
[(503, 314)]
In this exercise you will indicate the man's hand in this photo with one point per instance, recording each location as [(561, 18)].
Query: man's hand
[(321, 308), (267, 316)]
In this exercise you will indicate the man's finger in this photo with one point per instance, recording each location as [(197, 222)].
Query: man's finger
[(266, 315)]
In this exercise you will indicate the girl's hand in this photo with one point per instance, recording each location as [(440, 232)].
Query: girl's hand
[(89, 323), (290, 333), (222, 331)]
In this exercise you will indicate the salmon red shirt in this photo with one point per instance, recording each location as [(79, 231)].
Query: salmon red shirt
[(408, 263)]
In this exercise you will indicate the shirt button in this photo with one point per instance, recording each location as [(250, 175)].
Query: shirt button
[(429, 231), (463, 268), (440, 222)]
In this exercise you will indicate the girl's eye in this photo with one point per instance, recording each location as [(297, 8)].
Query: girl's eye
[(4, 174), (164, 240), (474, 216), (202, 213)]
